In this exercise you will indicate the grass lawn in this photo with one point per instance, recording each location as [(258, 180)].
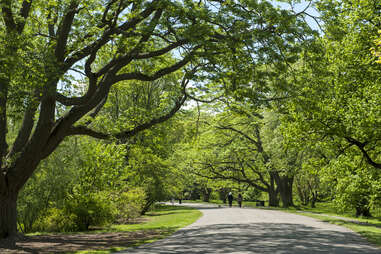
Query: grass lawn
[(160, 223), (164, 221), (370, 228), (166, 218)]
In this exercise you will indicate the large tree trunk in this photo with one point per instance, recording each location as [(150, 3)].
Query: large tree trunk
[(8, 217), (284, 184), (273, 192), (273, 198), (10, 185), (285, 188)]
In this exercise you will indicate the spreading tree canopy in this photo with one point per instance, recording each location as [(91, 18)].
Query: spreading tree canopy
[(65, 56)]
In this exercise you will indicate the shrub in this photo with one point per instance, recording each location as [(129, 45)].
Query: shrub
[(56, 220), (130, 204), (92, 209)]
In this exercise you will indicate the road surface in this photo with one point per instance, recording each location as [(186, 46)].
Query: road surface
[(235, 230)]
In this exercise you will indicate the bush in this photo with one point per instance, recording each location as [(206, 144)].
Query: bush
[(130, 204), (56, 220), (93, 209)]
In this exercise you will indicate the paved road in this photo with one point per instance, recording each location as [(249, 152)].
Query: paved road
[(235, 230)]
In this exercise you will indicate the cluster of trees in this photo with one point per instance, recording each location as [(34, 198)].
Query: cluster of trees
[(319, 128), (285, 110)]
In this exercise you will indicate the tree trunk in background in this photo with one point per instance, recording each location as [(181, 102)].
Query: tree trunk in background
[(285, 189), (273, 198), (147, 206), (273, 192), (362, 208), (222, 193), (206, 194), (314, 198)]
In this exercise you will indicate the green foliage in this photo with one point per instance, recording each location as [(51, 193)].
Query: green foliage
[(291, 106), (164, 218), (76, 183), (130, 204), (101, 166), (355, 185), (90, 209), (377, 49), (252, 194), (49, 186), (56, 220), (335, 108)]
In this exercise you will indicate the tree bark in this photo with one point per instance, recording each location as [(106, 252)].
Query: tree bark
[(273, 198), (8, 217), (147, 206), (273, 192), (314, 197), (285, 188)]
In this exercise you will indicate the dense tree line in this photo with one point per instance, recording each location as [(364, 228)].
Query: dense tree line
[(93, 127)]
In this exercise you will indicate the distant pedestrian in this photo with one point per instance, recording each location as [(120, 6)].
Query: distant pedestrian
[(230, 199), (239, 199)]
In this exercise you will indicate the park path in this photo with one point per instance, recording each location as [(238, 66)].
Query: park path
[(235, 230)]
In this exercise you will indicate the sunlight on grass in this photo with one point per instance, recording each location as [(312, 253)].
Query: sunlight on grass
[(368, 228), (165, 219)]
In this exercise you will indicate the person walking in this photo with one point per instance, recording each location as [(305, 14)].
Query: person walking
[(239, 199), (230, 199)]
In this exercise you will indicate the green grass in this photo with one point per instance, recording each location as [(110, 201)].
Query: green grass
[(164, 219), (370, 228)]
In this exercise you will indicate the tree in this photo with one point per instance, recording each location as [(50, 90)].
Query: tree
[(337, 86), (245, 148), (335, 100), (106, 42)]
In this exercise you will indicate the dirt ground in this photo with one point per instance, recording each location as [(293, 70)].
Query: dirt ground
[(59, 243)]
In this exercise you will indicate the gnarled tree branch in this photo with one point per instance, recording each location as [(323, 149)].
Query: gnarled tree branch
[(361, 146), (137, 129)]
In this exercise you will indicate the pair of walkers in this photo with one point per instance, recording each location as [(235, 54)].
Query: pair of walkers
[(230, 199)]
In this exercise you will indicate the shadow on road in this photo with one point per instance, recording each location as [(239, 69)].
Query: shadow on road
[(258, 238)]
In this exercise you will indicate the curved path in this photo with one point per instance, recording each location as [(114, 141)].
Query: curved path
[(235, 230)]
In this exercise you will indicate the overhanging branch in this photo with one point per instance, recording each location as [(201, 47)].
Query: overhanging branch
[(137, 129), (160, 73), (83, 130), (239, 132), (361, 146)]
